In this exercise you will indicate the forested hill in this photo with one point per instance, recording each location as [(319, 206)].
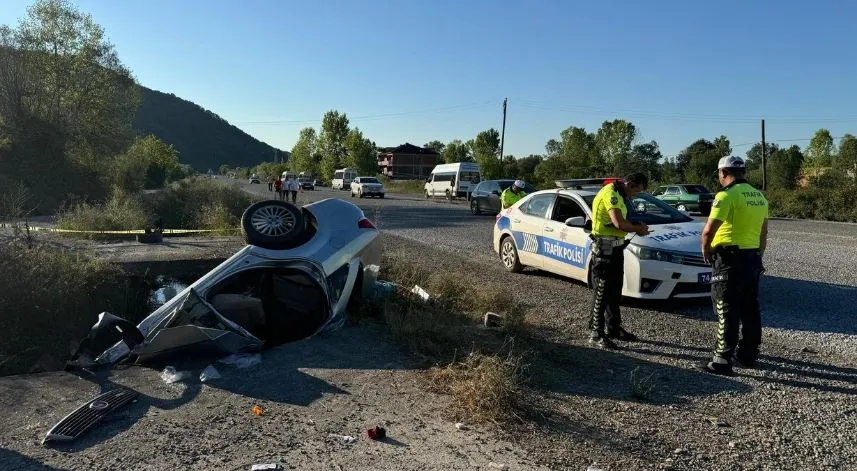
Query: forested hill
[(203, 139)]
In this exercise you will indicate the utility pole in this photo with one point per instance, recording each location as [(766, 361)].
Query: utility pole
[(503, 131), (764, 159)]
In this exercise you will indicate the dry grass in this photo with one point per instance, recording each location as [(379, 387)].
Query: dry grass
[(49, 298), (122, 211), (486, 384)]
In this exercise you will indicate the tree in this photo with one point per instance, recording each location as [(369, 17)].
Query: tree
[(645, 158), (486, 147), (361, 153), (456, 151), (615, 140), (723, 146), (435, 145), (148, 163), (846, 158), (574, 155), (305, 156), (331, 142), (698, 163), (819, 152), (753, 157), (784, 167)]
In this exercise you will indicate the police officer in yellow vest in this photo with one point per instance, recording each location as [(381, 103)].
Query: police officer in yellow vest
[(609, 227), (512, 194), (734, 241)]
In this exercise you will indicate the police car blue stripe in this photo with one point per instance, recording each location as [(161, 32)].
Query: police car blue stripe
[(565, 252)]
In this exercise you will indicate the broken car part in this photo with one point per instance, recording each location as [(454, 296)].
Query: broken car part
[(86, 416)]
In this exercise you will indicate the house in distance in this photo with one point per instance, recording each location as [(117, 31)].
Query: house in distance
[(406, 162)]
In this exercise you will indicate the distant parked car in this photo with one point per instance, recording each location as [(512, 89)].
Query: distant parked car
[(486, 196), (686, 197), (254, 179), (366, 186)]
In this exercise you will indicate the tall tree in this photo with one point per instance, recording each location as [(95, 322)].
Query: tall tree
[(819, 152), (646, 158), (754, 155), (698, 163), (723, 146), (361, 153), (615, 141), (331, 142), (456, 151), (435, 145), (486, 148), (574, 155), (785, 166), (846, 158), (305, 157)]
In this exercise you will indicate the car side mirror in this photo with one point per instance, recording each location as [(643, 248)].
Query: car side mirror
[(577, 221)]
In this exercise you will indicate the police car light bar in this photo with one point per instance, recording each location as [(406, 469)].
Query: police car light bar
[(580, 183)]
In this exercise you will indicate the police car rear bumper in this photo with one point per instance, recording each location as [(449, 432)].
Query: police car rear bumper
[(662, 280)]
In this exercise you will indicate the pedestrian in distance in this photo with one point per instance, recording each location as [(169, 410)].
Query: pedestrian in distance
[(733, 242), (278, 189), (609, 228), (270, 184), (513, 194), (294, 186)]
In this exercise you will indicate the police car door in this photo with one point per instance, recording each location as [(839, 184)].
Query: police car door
[(564, 249), (527, 221)]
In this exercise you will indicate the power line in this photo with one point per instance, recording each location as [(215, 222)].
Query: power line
[(462, 107)]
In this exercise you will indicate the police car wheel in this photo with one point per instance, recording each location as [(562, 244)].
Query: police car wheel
[(427, 194), (509, 255), (273, 224)]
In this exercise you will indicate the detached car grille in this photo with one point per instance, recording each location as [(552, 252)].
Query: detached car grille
[(87, 415)]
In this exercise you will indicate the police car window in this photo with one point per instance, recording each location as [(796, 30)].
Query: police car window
[(538, 206), (565, 208), (650, 210)]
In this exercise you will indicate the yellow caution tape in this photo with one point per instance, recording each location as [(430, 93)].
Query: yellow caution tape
[(135, 231)]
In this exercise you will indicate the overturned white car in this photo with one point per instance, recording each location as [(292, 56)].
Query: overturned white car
[(301, 272), (548, 230)]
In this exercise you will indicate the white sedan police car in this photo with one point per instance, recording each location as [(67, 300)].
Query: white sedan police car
[(549, 230)]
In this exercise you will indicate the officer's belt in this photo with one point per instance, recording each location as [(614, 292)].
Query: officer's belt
[(733, 249), (608, 241)]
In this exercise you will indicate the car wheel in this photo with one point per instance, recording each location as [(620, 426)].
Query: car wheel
[(360, 193), (272, 224), (427, 194), (474, 208), (448, 195), (509, 255), (681, 207), (355, 302)]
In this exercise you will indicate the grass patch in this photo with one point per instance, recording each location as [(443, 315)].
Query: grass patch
[(187, 204), (477, 366), (49, 298), (416, 187)]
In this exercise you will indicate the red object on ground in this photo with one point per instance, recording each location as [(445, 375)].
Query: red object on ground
[(377, 433)]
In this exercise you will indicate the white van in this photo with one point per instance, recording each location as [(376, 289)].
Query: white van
[(453, 180), (342, 178)]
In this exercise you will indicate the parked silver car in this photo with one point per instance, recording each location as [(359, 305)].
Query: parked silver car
[(302, 270)]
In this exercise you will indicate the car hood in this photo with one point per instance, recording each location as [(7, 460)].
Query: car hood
[(678, 237)]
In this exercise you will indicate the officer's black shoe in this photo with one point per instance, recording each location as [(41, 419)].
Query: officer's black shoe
[(622, 335), (602, 342), (715, 367), (744, 361)]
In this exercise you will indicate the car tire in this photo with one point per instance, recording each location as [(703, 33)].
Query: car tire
[(681, 207), (360, 194), (273, 224), (427, 194), (474, 207), (509, 255), (448, 195), (381, 195)]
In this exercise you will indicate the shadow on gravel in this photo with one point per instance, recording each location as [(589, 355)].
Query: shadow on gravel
[(808, 305), (592, 372), (12, 460), (122, 419), (771, 369)]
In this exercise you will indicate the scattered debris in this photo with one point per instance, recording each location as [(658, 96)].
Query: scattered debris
[(345, 438), (86, 416), (492, 319), (257, 410), (242, 360), (593, 468), (808, 350), (384, 289), (460, 426), (717, 421), (265, 467), (170, 375), (377, 433), (494, 465), (210, 372), (420, 292), (732, 444)]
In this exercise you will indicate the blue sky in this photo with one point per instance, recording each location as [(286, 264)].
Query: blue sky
[(417, 70)]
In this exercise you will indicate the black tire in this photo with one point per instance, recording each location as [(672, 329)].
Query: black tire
[(382, 195), (273, 224), (474, 208), (507, 247), (448, 195), (427, 195), (355, 302), (360, 194)]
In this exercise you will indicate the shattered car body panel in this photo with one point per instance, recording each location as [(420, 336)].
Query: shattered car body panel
[(263, 297)]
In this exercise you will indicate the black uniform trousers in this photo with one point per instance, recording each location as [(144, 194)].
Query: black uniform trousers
[(608, 272), (735, 294)]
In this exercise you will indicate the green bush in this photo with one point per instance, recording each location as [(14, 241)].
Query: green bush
[(121, 211), (199, 204)]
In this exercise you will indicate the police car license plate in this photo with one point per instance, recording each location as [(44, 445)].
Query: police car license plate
[(704, 278)]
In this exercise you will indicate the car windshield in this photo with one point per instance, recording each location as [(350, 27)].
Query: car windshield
[(507, 183), (647, 209), (369, 180), (696, 189), (472, 177)]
